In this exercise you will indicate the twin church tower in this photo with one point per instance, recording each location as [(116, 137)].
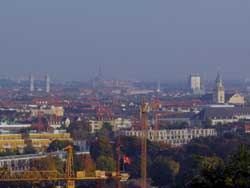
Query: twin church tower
[(32, 83)]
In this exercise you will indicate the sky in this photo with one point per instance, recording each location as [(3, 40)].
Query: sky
[(128, 39)]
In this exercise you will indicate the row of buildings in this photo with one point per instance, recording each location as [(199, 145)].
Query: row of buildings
[(39, 141)]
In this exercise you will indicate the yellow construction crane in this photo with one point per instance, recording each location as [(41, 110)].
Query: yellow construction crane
[(144, 136), (69, 172), (69, 176)]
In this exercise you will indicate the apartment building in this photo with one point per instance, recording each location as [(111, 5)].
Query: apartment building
[(39, 141), (173, 137)]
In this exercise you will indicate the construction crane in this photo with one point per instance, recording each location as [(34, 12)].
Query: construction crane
[(155, 106), (69, 172), (144, 130), (69, 176), (118, 164)]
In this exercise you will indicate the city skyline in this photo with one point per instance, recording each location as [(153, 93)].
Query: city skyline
[(39, 76)]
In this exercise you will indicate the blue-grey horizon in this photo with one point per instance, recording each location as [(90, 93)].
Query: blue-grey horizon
[(142, 39)]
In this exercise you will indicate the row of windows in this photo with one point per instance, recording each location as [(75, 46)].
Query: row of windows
[(206, 132), (172, 139), (189, 137), (186, 134)]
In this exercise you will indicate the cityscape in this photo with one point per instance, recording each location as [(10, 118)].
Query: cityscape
[(105, 120), (124, 94)]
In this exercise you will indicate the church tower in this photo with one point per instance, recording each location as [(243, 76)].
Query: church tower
[(219, 92)]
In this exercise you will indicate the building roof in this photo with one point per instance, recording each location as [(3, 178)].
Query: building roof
[(178, 115), (223, 112), (228, 96)]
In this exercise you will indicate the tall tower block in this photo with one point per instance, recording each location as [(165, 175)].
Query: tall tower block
[(32, 83), (195, 84), (47, 81)]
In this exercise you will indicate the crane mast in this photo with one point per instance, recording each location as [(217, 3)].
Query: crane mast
[(118, 156), (69, 172), (144, 130)]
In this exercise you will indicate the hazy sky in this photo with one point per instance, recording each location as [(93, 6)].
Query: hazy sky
[(129, 39)]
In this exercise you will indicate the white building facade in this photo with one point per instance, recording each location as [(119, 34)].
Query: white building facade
[(195, 83), (173, 137)]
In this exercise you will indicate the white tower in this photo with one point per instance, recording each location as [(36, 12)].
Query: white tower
[(195, 83), (219, 92), (47, 80), (32, 83)]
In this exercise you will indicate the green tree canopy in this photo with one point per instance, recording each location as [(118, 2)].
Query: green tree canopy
[(106, 131), (234, 174), (163, 171), (58, 145), (80, 130), (101, 147), (105, 163), (29, 150)]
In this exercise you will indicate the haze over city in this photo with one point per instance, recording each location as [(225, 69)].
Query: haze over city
[(124, 94), (140, 39)]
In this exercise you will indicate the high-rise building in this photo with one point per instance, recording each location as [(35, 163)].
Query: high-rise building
[(47, 80), (219, 92), (195, 84), (32, 83)]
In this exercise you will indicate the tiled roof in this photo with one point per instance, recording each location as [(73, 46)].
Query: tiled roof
[(219, 113)]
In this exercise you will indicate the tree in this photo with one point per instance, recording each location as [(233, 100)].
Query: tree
[(237, 171), (78, 163), (9, 152), (58, 145), (211, 173), (207, 122), (89, 165), (79, 130), (48, 163), (29, 150), (101, 147), (106, 131), (131, 146), (107, 125), (105, 163), (234, 174), (163, 171)]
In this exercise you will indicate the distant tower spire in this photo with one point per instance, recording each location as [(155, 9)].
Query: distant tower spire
[(218, 79), (219, 93), (158, 90), (100, 75), (47, 80), (32, 83), (98, 81), (158, 87)]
